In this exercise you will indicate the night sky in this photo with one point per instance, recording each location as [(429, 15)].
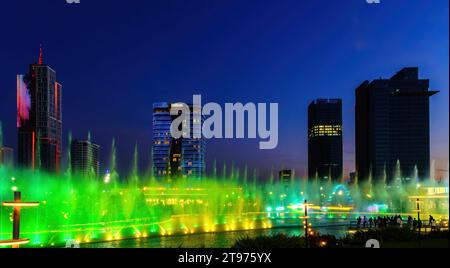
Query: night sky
[(116, 58)]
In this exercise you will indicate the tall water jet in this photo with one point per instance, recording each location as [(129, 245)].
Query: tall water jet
[(149, 170), (69, 157), (317, 182), (398, 173), (215, 169), (232, 170), (342, 180), (224, 170), (114, 176), (255, 175), (415, 174), (330, 179), (433, 170), (135, 172), (380, 189), (355, 189), (37, 164), (446, 174), (271, 178), (245, 176), (152, 169), (91, 171), (369, 183)]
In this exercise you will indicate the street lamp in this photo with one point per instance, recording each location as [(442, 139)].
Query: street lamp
[(306, 225), (17, 204), (306, 219), (418, 220)]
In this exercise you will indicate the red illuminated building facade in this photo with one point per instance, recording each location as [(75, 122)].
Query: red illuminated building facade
[(39, 118)]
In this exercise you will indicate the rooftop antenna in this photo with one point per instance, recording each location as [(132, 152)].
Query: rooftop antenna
[(41, 58)]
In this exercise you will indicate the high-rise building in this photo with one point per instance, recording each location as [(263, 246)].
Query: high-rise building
[(286, 176), (325, 157), (39, 118), (183, 157), (393, 128), (6, 156), (84, 158)]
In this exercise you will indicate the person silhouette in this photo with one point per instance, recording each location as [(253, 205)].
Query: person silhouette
[(358, 222)]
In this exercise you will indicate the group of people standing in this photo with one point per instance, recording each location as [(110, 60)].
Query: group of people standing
[(394, 221)]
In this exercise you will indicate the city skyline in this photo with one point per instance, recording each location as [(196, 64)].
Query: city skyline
[(324, 126), (289, 86)]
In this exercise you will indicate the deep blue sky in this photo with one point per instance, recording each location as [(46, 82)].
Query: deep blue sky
[(115, 58)]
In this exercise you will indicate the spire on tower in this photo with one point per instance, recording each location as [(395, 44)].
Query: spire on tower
[(41, 58)]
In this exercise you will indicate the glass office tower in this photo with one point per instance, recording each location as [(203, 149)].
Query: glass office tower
[(172, 158)]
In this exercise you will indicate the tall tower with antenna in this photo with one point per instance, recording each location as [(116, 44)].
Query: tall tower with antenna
[(39, 117)]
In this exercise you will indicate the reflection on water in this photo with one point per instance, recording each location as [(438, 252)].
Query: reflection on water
[(209, 240)]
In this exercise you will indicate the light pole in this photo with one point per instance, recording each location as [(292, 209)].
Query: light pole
[(306, 224), (17, 204), (419, 223)]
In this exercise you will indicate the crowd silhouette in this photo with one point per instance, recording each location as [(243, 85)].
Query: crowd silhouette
[(394, 221)]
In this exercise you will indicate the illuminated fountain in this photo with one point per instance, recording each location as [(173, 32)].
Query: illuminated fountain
[(87, 209)]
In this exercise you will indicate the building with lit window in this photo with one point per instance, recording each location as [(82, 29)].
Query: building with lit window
[(325, 157), (183, 157), (84, 158), (39, 118), (393, 128)]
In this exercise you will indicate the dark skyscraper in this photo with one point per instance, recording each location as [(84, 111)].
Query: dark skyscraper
[(84, 158), (39, 118), (184, 157), (392, 127), (325, 139)]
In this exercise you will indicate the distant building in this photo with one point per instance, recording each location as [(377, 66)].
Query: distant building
[(39, 118), (6, 156), (183, 157), (286, 176), (325, 156), (393, 127), (353, 177), (84, 157)]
